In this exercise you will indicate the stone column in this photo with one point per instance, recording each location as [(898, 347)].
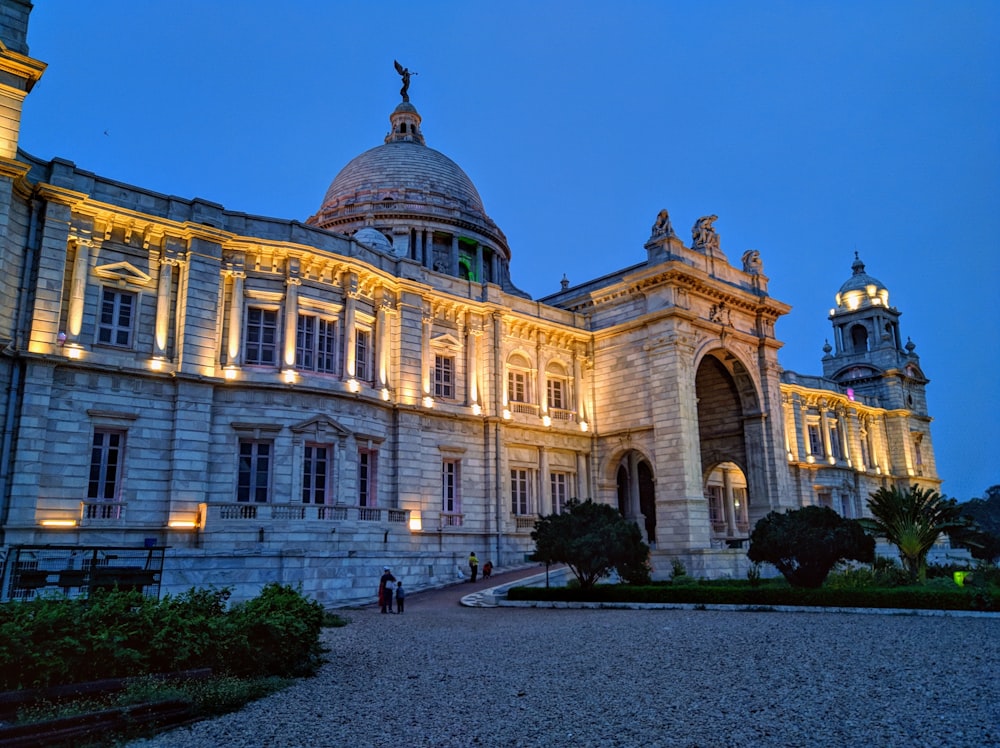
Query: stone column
[(544, 497), (543, 395), (350, 329), (472, 333), (162, 329), (581, 477), (578, 386), (78, 289), (235, 349), (728, 502), (383, 347), (479, 262), (292, 283), (454, 256), (824, 428), (426, 360)]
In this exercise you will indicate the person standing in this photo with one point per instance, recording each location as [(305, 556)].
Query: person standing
[(473, 566), (400, 596), (384, 594)]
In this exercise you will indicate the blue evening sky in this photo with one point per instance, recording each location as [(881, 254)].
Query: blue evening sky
[(813, 129)]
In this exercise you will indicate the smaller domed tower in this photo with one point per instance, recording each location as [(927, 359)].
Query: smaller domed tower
[(868, 356)]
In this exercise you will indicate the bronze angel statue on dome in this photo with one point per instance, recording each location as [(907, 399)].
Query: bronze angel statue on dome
[(405, 73)]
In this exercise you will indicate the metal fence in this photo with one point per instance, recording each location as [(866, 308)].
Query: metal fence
[(77, 571)]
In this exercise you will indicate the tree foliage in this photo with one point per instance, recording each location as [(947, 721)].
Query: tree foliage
[(982, 538), (592, 539), (912, 520), (806, 543)]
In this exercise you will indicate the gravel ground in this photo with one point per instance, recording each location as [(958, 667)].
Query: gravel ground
[(450, 676)]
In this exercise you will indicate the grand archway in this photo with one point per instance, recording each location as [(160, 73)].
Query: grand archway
[(727, 399)]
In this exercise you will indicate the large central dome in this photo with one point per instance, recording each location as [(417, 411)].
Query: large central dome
[(421, 202)]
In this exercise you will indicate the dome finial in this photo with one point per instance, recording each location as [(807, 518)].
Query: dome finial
[(857, 266)]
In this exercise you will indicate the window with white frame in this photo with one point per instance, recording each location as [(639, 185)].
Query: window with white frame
[(363, 354), (518, 380), (117, 317), (556, 393), (451, 494), (444, 376), (316, 343), (367, 473), (520, 491), (559, 485), (253, 480), (106, 455), (261, 337), (317, 464)]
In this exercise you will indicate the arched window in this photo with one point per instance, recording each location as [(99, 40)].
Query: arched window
[(519, 393), (557, 392), (859, 338)]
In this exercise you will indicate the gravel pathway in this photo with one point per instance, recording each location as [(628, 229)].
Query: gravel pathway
[(442, 675)]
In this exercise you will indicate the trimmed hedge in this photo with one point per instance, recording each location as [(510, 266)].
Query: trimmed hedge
[(716, 593)]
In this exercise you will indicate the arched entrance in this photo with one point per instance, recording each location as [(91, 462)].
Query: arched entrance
[(727, 398), (728, 512), (636, 493)]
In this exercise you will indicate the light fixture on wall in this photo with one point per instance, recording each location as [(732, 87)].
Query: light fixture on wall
[(58, 523), (506, 414), (289, 375), (386, 395), (546, 420), (230, 373), (156, 363), (74, 351), (183, 524), (415, 522), (477, 409), (428, 401), (354, 385), (584, 426)]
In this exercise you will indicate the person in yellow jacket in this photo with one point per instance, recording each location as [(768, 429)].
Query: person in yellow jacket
[(473, 566)]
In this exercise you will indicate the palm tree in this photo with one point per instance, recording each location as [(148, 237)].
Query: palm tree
[(912, 520)]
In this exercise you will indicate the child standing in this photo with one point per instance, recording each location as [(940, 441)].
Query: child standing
[(400, 596)]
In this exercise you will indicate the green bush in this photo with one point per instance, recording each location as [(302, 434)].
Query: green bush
[(805, 544), (53, 641)]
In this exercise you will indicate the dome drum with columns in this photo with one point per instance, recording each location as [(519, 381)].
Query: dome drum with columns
[(423, 204)]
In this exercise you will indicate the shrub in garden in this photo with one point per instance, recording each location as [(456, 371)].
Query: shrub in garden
[(806, 543), (592, 539), (53, 641)]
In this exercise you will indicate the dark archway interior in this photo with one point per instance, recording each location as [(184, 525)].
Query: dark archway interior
[(647, 499)]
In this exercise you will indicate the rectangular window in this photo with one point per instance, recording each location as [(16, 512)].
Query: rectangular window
[(105, 465), (519, 491), (367, 472), (556, 389), (362, 355), (517, 387), (262, 337), (254, 478), (451, 500), (558, 483), (825, 498), (316, 473), (815, 440), (315, 343), (846, 506), (117, 313), (444, 377)]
